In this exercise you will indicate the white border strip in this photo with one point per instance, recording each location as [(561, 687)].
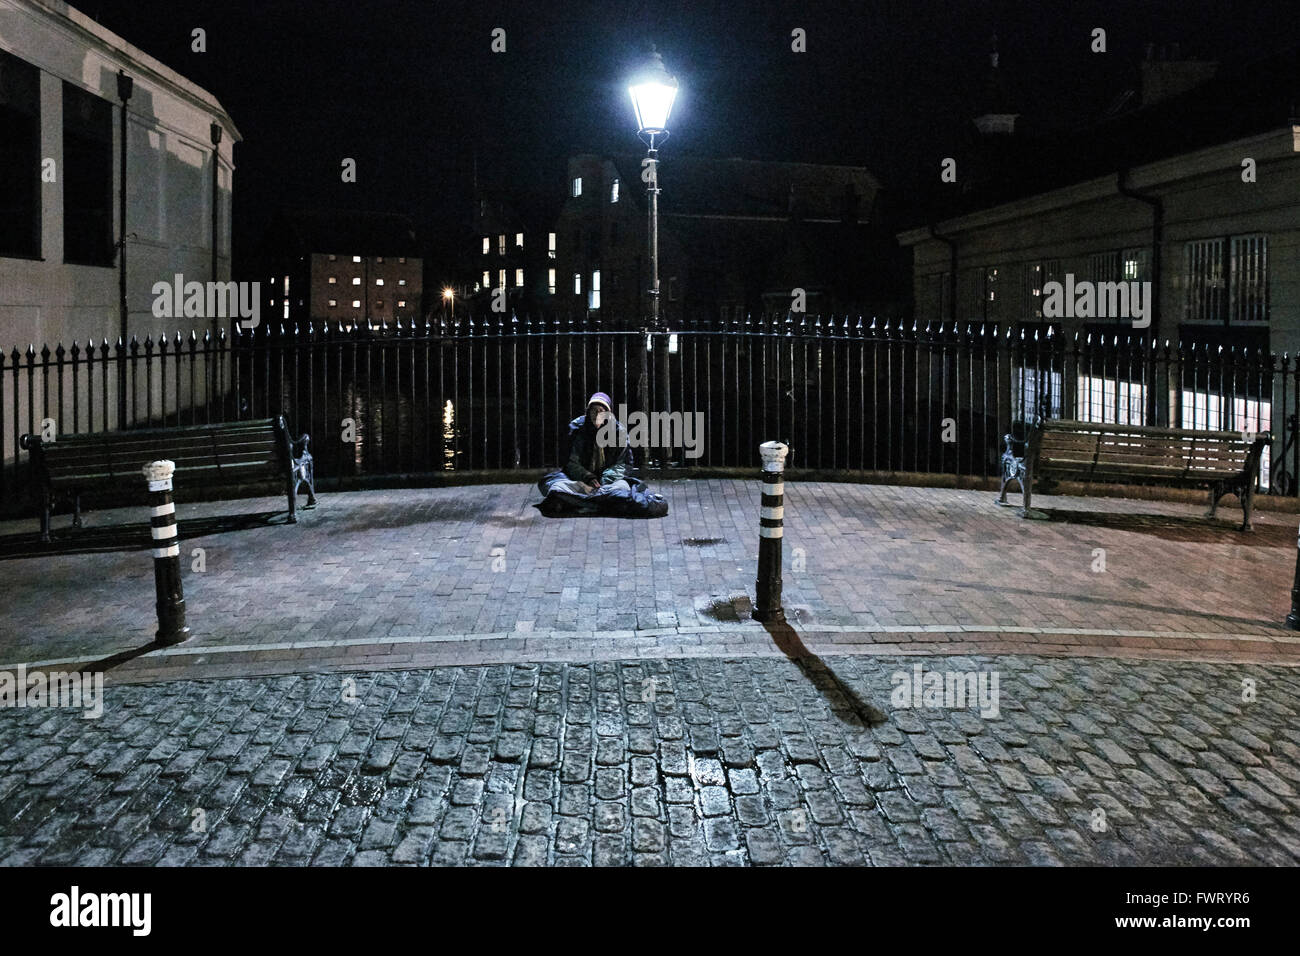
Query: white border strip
[(755, 628)]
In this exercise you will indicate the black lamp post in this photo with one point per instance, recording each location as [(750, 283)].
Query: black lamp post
[(653, 90)]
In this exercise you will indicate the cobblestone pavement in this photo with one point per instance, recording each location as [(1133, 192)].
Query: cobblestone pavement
[(474, 575), (710, 762)]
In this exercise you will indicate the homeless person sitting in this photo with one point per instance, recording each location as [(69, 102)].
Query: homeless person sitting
[(594, 480)]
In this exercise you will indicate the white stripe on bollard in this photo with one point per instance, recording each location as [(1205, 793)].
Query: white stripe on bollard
[(775, 512), (161, 534), (157, 511), (172, 552), (770, 532)]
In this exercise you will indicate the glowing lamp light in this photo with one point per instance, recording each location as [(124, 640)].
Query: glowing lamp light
[(653, 91)]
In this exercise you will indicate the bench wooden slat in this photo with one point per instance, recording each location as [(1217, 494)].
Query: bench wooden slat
[(1091, 451), (206, 456)]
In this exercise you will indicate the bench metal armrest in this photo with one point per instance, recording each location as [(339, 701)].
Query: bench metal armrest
[(300, 447)]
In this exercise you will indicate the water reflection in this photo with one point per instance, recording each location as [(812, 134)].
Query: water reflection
[(449, 437)]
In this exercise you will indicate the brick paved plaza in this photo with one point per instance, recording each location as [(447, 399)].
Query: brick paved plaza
[(446, 676)]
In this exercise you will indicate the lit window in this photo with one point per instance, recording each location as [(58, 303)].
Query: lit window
[(501, 278), (519, 240), (550, 279), (401, 282), (550, 246), (501, 244), (519, 278), (379, 282), (356, 303), (593, 297), (577, 283), (487, 245), (356, 280), (401, 303), (402, 259), (379, 258), (613, 192), (333, 303), (356, 258), (577, 186), (286, 285), (333, 258), (333, 281), (286, 308), (487, 279)]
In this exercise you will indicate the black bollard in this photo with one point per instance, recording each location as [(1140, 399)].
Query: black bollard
[(771, 523), (166, 554), (1293, 619)]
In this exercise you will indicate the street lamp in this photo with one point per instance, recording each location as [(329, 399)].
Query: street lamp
[(449, 298), (653, 90)]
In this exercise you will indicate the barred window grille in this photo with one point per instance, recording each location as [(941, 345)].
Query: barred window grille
[(1211, 411), (1249, 287), (1111, 401), (1037, 394), (1136, 265), (1104, 266), (1203, 275)]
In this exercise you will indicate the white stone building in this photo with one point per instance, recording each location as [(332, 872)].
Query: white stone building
[(60, 175)]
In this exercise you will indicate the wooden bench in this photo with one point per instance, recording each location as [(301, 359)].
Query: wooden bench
[(1223, 462), (207, 457)]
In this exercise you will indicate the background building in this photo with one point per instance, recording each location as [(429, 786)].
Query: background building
[(60, 174), (735, 236), (514, 249), (1189, 183), (341, 265)]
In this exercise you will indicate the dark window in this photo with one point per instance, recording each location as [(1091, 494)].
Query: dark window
[(613, 233), (87, 178), (20, 160)]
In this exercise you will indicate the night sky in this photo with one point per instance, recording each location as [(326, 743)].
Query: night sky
[(411, 90)]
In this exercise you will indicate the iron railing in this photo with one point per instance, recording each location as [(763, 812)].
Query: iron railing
[(497, 392)]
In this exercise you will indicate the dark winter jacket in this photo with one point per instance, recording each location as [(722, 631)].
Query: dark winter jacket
[(588, 460)]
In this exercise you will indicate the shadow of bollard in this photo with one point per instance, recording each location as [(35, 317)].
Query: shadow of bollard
[(787, 640)]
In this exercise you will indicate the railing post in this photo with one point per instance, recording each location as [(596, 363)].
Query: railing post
[(767, 604), (166, 554), (1293, 618)]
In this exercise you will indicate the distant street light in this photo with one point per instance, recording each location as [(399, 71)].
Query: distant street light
[(653, 90), (449, 301)]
